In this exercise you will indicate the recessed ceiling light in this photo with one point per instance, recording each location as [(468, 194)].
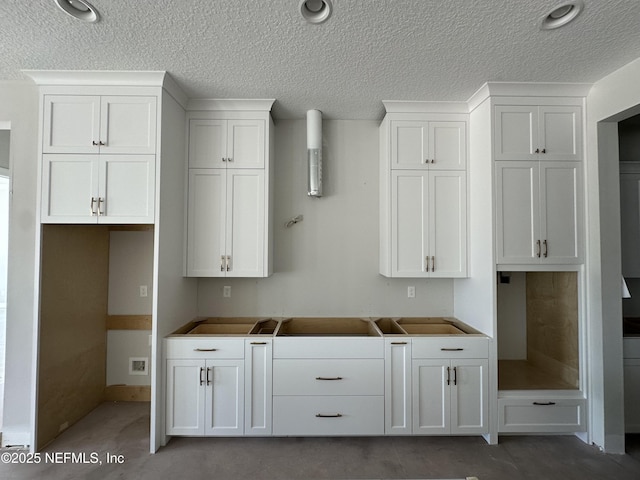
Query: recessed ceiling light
[(316, 11), (561, 15), (80, 9)]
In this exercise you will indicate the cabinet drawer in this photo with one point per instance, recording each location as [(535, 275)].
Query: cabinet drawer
[(210, 347), (328, 347), (301, 415), (541, 415), (450, 347), (328, 377)]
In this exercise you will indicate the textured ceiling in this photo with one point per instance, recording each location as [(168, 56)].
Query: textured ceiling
[(368, 51)]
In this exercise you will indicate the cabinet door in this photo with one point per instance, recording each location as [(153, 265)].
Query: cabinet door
[(245, 143), (127, 189), (431, 396), (128, 125), (71, 124), (560, 212), (245, 223), (207, 143), (409, 223), (69, 188), (516, 132), (630, 224), (447, 145), (409, 144), (185, 397), (469, 397), (224, 409), (560, 133), (397, 387), (258, 387), (206, 220), (518, 214), (447, 224)]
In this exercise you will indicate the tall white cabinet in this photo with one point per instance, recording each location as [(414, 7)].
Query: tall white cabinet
[(229, 196), (423, 194)]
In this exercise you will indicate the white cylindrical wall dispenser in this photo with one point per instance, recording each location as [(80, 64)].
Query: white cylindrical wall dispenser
[(314, 153)]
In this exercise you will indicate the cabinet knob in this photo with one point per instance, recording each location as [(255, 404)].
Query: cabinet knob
[(544, 150), (224, 159), (537, 150), (94, 143)]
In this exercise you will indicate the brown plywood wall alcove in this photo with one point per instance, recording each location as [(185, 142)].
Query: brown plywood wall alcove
[(73, 312), (538, 330), (73, 353)]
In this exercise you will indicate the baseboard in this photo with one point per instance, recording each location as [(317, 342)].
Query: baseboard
[(128, 393), (16, 439)]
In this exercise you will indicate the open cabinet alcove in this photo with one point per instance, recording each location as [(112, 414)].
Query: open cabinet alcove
[(538, 331), (83, 346)]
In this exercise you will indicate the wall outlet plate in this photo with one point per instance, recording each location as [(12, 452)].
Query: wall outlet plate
[(226, 291), (411, 292)]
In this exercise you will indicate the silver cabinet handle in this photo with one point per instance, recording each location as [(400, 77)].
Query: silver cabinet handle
[(426, 263), (91, 209), (222, 263), (328, 378), (327, 415), (544, 404), (259, 343), (398, 343), (201, 379), (205, 349), (546, 249), (451, 349), (538, 250), (228, 263), (433, 263), (100, 202)]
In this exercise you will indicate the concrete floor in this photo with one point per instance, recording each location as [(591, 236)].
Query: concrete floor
[(122, 429)]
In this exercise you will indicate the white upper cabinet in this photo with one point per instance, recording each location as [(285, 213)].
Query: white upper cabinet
[(419, 144), (526, 132), (539, 211), (423, 195), (229, 199), (219, 143), (99, 124)]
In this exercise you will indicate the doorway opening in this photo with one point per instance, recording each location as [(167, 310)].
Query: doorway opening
[(4, 253)]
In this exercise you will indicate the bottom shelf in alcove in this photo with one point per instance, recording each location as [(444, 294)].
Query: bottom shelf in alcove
[(522, 375)]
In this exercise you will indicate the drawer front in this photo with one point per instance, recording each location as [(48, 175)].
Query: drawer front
[(328, 347), (328, 377), (357, 415), (450, 347), (541, 415), (209, 347)]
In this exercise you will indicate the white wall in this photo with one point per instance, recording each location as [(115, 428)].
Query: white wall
[(19, 106), (613, 98), (326, 265)]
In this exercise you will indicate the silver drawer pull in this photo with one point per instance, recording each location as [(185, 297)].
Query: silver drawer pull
[(328, 378), (205, 349), (328, 415), (451, 349), (398, 343), (544, 404), (258, 343)]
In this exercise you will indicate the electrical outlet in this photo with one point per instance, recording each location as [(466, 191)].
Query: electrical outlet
[(411, 292), (143, 291), (226, 291)]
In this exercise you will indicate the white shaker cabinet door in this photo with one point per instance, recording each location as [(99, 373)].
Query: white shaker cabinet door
[(447, 145), (409, 223), (185, 402), (516, 136), (71, 124), (70, 188), (246, 143), (397, 387), (258, 386), (206, 233), (447, 224), (245, 225), (431, 397), (469, 397), (224, 410), (518, 215), (409, 144), (561, 212), (560, 135), (128, 125), (207, 143), (127, 189)]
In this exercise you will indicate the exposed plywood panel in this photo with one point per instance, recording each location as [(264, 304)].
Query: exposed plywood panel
[(128, 393), (128, 322), (552, 324), (72, 372)]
